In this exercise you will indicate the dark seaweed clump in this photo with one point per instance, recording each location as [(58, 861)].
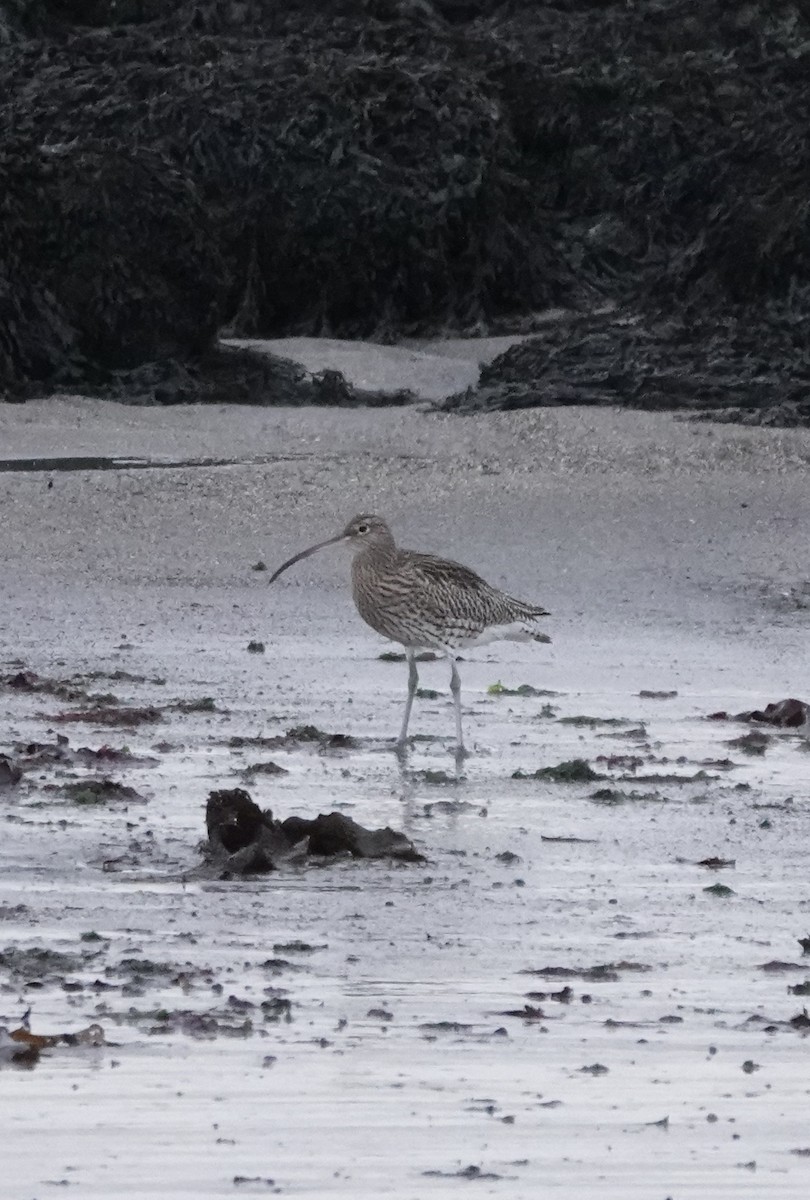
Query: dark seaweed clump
[(743, 367), (384, 167)]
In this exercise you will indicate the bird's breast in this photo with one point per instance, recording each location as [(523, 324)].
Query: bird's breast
[(387, 604)]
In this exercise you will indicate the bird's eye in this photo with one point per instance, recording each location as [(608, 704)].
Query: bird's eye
[(362, 528)]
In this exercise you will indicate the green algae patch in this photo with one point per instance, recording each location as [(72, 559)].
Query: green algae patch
[(720, 889), (100, 791), (614, 796), (523, 689), (574, 770)]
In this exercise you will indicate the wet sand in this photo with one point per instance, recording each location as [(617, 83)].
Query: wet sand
[(672, 556)]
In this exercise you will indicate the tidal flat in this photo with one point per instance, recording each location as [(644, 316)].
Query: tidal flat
[(596, 982)]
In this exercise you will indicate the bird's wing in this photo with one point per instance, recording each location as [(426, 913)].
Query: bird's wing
[(447, 588), (432, 574)]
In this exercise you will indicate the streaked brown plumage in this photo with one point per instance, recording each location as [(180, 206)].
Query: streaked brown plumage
[(425, 602)]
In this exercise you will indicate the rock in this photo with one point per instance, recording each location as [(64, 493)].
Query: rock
[(243, 839), (786, 714)]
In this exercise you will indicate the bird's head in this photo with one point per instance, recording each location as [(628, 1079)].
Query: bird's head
[(365, 531)]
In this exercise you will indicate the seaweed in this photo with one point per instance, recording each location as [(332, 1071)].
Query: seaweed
[(297, 171), (575, 770), (380, 168), (741, 366)]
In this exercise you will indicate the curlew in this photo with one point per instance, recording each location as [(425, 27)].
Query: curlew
[(425, 603)]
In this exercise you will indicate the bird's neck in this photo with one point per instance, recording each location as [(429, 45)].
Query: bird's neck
[(378, 556)]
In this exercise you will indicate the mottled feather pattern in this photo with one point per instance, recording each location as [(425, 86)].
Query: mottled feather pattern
[(421, 600)]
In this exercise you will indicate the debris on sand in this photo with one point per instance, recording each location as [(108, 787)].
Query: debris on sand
[(332, 833), (575, 770), (800, 1023), (395, 656), (523, 689), (564, 996), (529, 1012), (672, 777), (297, 737), (238, 742), (10, 772), (436, 778), (601, 973), (784, 714), (243, 839), (205, 1026), (21, 1048), (327, 741), (29, 681), (38, 966), (264, 768), (614, 796), (581, 721), (202, 704), (755, 742), (101, 791), (17, 1053), (566, 839), (33, 756), (621, 762), (118, 716), (471, 1172), (105, 755)]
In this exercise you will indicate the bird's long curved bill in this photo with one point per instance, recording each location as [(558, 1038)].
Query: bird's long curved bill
[(305, 554)]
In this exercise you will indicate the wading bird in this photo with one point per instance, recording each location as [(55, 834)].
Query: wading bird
[(425, 603)]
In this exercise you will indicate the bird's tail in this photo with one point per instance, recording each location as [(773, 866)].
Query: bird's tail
[(509, 631), (521, 611)]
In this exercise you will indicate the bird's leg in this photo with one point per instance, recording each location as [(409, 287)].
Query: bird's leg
[(455, 688), (413, 680)]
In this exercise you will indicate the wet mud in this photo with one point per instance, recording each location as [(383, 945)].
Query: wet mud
[(596, 982), (558, 861)]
